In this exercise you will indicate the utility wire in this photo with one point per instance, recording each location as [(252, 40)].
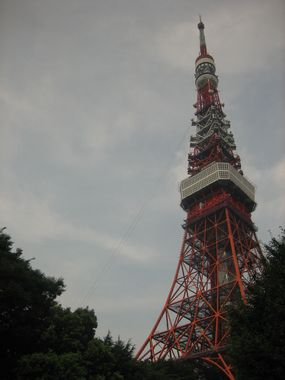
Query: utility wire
[(134, 222)]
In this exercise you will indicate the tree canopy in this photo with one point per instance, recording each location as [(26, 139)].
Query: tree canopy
[(27, 298), (258, 328)]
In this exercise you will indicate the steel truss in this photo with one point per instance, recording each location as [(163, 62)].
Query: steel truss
[(219, 258)]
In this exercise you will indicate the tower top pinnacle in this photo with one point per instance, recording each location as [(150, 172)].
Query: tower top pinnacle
[(206, 80), (203, 47), (201, 25)]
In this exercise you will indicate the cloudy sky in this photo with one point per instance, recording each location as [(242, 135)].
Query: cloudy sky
[(96, 99)]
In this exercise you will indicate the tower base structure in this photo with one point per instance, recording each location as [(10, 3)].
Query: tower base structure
[(219, 258)]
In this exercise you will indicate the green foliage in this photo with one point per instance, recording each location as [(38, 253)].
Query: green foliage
[(258, 328), (51, 366), (41, 340), (26, 299), (69, 331), (183, 370)]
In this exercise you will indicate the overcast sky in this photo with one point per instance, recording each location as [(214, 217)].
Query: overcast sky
[(96, 99)]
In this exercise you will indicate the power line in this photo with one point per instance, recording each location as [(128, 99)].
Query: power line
[(134, 222)]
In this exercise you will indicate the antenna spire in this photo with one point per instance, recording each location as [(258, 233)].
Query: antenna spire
[(203, 47)]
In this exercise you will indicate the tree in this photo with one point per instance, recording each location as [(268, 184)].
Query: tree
[(26, 299), (68, 331), (258, 328), (41, 340), (184, 369), (51, 366)]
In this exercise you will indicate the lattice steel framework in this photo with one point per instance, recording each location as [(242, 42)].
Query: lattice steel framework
[(220, 254)]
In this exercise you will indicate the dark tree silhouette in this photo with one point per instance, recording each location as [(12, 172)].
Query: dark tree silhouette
[(258, 328)]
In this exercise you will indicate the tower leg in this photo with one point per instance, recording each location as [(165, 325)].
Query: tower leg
[(219, 258), (220, 362)]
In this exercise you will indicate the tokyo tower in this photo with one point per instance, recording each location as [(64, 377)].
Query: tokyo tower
[(220, 254)]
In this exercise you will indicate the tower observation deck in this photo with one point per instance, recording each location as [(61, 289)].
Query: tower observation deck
[(220, 254)]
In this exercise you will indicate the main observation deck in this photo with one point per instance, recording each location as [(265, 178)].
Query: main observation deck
[(220, 173)]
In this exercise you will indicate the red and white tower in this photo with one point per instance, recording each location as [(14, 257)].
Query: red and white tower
[(220, 254)]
